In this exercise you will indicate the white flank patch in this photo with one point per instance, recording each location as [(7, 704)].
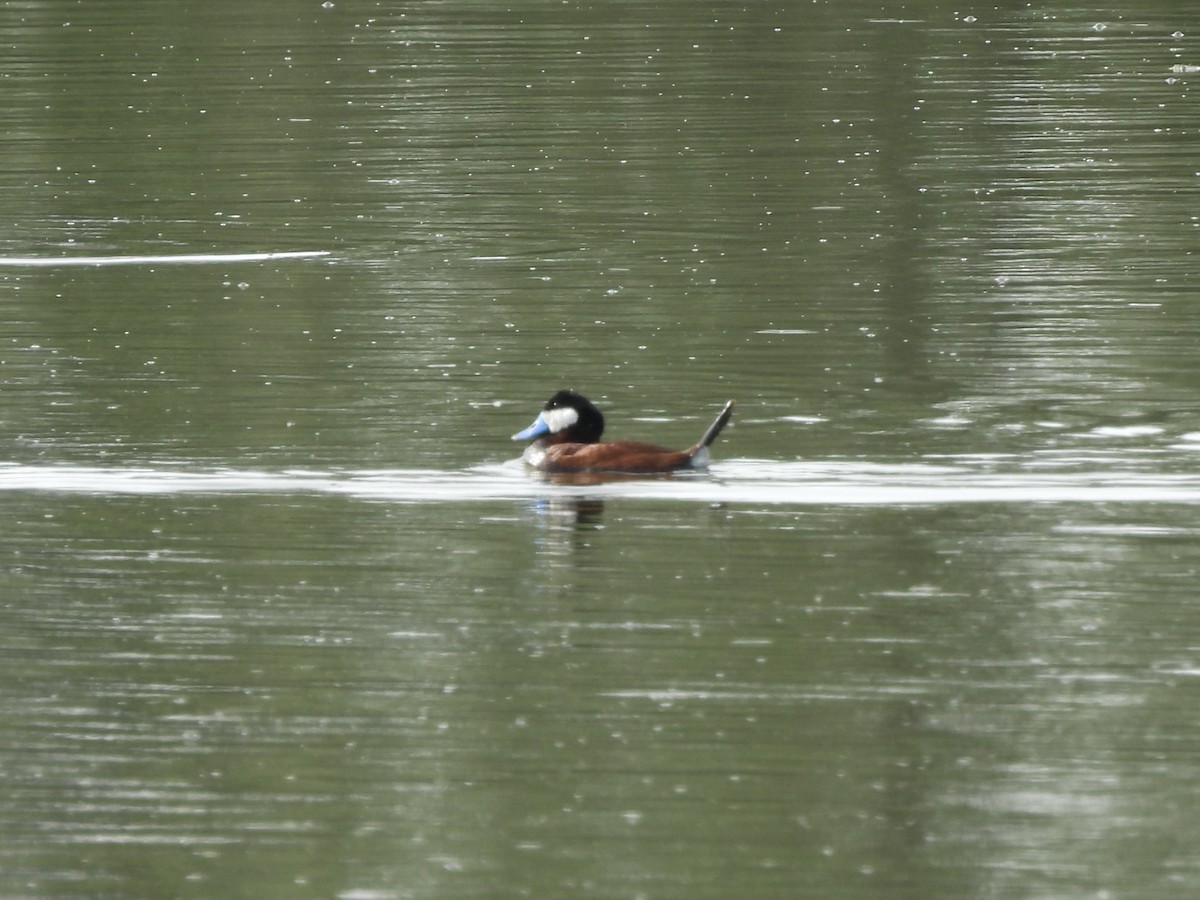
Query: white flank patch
[(534, 454)]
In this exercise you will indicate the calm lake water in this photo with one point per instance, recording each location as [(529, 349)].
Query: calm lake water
[(282, 614)]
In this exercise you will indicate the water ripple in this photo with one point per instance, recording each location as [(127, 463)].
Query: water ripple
[(156, 259), (755, 482)]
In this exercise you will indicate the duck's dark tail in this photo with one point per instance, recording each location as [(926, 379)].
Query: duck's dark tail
[(715, 428)]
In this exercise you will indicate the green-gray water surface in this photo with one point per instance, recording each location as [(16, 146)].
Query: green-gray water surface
[(282, 615)]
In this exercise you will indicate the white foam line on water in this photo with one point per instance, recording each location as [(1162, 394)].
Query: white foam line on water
[(821, 485), (410, 485), (163, 259)]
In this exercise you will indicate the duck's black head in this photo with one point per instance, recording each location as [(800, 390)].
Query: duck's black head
[(567, 416)]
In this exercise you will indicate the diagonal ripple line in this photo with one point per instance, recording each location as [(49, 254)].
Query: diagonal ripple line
[(163, 259)]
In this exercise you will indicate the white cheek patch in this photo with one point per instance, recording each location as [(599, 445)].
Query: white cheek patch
[(558, 419)]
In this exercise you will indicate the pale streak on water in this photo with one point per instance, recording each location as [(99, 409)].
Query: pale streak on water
[(51, 262), (751, 482)]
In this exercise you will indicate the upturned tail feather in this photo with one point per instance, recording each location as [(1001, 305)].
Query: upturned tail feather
[(715, 428)]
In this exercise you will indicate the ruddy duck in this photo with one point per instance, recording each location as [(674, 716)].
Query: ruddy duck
[(567, 433)]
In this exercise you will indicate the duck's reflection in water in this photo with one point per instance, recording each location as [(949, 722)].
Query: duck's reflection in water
[(565, 531), (566, 524)]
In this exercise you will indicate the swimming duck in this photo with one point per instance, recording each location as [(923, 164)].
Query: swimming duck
[(566, 438)]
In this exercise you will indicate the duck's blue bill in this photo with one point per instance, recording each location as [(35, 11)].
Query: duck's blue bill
[(538, 428)]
